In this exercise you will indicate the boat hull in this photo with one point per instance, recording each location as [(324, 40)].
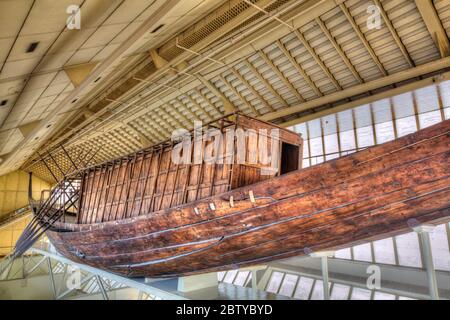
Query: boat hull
[(382, 191)]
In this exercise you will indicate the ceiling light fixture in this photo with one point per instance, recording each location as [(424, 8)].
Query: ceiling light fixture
[(157, 28), (32, 47)]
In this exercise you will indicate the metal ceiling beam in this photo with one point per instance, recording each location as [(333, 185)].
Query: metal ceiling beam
[(265, 83), (299, 69), (138, 284), (434, 26), (394, 33), (298, 14), (170, 116), (161, 12), (208, 101), (156, 134), (195, 103), (228, 106), (185, 107), (317, 59), (362, 37), (338, 49), (372, 98), (255, 92), (301, 12), (361, 88), (181, 115), (281, 76), (143, 139), (229, 86), (398, 280)]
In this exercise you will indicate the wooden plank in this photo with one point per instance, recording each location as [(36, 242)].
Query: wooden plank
[(364, 196)]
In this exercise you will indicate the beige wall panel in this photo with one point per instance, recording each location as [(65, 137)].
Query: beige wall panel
[(14, 190), (10, 233)]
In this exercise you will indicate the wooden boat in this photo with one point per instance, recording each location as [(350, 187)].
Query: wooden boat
[(171, 220)]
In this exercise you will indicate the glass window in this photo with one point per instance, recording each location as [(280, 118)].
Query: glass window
[(362, 252), (329, 124), (430, 118), (343, 254), (303, 288), (406, 126), (229, 277), (361, 294), (384, 132), (305, 154), (363, 116), (445, 94), (339, 292), (408, 250), (382, 111), (427, 99), (241, 277), (220, 275), (348, 140), (345, 120), (249, 279), (403, 105), (384, 251), (365, 137), (331, 146), (383, 296), (440, 248), (288, 285), (274, 282), (314, 128), (317, 293), (316, 149)]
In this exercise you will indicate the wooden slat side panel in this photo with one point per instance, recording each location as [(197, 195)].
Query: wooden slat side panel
[(147, 182)]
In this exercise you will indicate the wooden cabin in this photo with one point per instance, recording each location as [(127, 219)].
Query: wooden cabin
[(150, 180)]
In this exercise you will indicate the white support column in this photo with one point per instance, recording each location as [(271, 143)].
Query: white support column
[(254, 284), (424, 236), (323, 255), (51, 278)]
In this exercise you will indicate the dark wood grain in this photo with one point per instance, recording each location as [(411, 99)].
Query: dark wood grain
[(368, 195)]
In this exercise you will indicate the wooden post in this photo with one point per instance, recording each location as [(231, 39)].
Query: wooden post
[(145, 182), (156, 179), (137, 184), (169, 162)]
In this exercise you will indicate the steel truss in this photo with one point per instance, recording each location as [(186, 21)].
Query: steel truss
[(91, 281)]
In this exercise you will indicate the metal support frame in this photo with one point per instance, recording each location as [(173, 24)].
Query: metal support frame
[(425, 248), (324, 255), (103, 282), (51, 277), (326, 290), (102, 288), (254, 284)]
